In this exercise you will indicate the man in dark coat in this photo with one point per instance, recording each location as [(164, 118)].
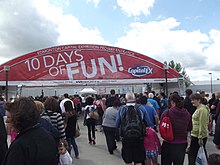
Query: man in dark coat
[(216, 139), (187, 102), (3, 139)]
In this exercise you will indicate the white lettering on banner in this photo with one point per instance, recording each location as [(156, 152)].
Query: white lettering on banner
[(54, 71), (72, 72), (46, 61), (79, 55), (101, 61), (65, 61), (60, 59), (94, 69), (49, 60), (34, 64), (69, 55)]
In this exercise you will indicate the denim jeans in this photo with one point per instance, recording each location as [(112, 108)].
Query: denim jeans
[(71, 141)]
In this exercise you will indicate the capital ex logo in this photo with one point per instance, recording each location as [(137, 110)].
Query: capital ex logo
[(140, 71)]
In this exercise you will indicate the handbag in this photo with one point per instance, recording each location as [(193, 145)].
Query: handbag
[(166, 129), (77, 132), (94, 114), (201, 157)]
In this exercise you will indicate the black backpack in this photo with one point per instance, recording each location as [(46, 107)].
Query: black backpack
[(132, 125)]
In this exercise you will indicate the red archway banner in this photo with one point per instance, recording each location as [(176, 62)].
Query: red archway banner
[(85, 63)]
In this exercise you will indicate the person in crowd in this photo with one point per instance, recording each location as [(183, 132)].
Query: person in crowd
[(187, 104), (156, 97), (199, 133), (100, 109), (214, 159), (70, 122), (56, 119), (109, 125), (2, 103), (152, 146), (210, 101), (66, 97), (151, 112), (213, 106), (153, 102), (45, 123), (65, 158), (41, 146), (132, 148), (174, 151), (216, 139), (3, 139), (90, 122), (77, 103), (163, 103), (111, 99)]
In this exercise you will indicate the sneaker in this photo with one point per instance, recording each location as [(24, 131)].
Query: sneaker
[(90, 142), (77, 157), (93, 142)]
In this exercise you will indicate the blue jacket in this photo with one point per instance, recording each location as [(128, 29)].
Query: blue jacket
[(144, 115)]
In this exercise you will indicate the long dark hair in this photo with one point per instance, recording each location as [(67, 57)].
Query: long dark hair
[(68, 105), (23, 112), (177, 99)]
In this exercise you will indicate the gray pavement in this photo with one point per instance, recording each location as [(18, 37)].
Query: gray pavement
[(99, 155)]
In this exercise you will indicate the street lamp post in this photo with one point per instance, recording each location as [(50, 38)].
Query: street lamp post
[(166, 84), (211, 82), (6, 69)]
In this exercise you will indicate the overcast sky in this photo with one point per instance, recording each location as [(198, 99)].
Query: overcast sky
[(186, 31)]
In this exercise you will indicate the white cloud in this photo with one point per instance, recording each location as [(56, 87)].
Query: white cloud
[(26, 26), (134, 8), (162, 41), (3, 60), (95, 2)]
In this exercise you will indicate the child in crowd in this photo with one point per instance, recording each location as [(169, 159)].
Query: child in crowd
[(214, 159), (65, 158), (152, 146)]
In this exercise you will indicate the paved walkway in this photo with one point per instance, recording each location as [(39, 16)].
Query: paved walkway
[(99, 155)]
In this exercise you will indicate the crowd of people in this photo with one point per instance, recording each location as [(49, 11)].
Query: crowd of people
[(43, 130)]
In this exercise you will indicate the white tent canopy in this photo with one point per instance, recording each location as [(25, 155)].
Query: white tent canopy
[(88, 91)]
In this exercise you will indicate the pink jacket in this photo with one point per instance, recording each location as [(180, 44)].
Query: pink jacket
[(151, 140)]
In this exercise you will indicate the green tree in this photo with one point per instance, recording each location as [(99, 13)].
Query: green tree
[(177, 67)]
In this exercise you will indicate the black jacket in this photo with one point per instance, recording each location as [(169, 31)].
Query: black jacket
[(216, 139), (3, 139), (188, 105), (34, 146)]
